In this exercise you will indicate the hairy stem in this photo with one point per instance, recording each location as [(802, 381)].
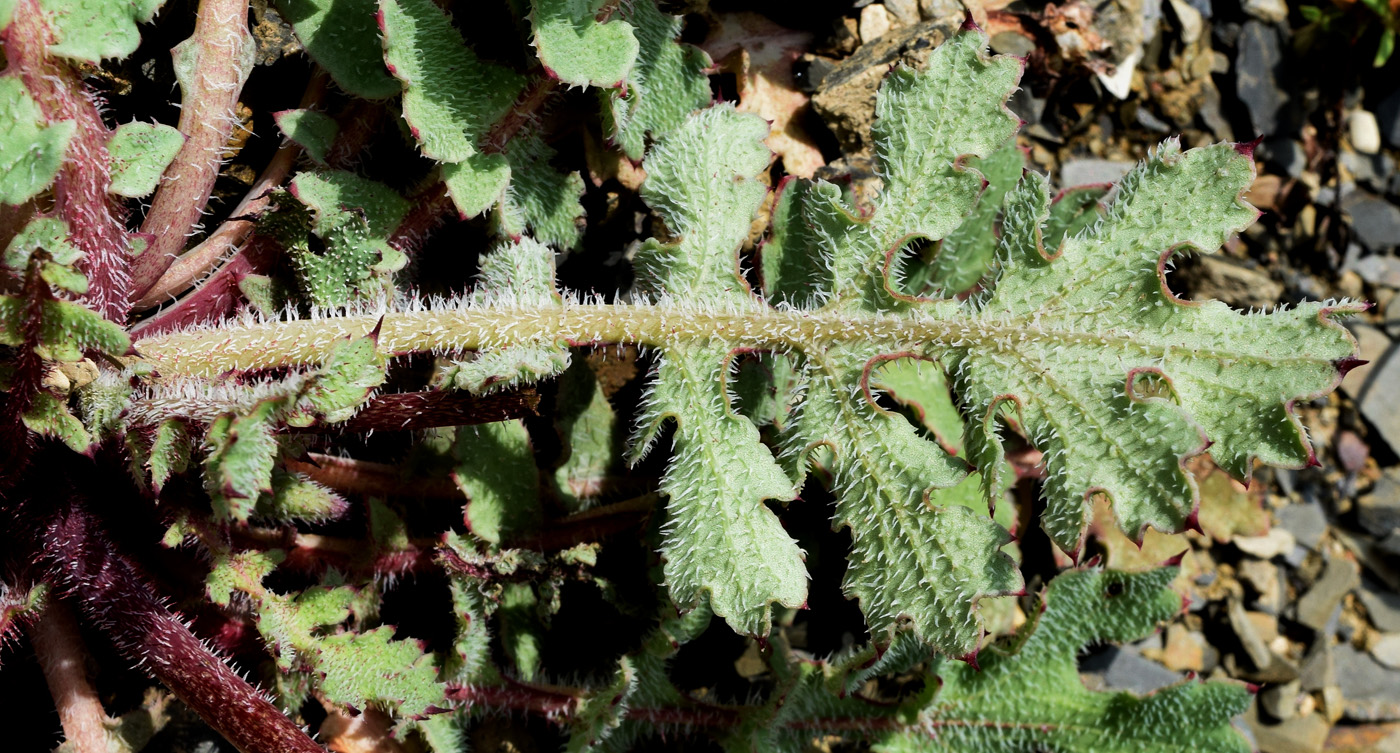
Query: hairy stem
[(63, 658), (197, 262), (279, 344), (113, 594), (96, 220), (212, 66)]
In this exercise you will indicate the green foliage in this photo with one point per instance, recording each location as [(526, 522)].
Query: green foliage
[(311, 130), (241, 452), (48, 416), (495, 469), (31, 149), (1069, 336), (353, 217), (665, 86), (966, 254), (353, 669), (986, 708), (579, 49), (1140, 379), (342, 37), (93, 30), (587, 424), (450, 98), (140, 152)]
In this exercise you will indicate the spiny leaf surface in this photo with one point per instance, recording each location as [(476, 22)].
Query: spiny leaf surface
[(1031, 697), (667, 83), (140, 152), (578, 48), (31, 149), (1114, 379)]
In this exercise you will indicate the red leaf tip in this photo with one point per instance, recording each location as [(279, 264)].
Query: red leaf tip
[(1247, 148), (1345, 365)]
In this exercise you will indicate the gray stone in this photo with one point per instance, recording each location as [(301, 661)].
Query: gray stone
[(1371, 689), (1277, 541), (1125, 670), (1307, 522), (1382, 605), (1375, 220), (1388, 117), (1319, 670), (1317, 606), (1390, 545), (1378, 513), (1011, 43), (1376, 397), (1379, 269), (1285, 156), (1263, 577), (1084, 172), (1370, 169), (904, 11), (1392, 317), (1303, 734), (1253, 644), (1386, 650), (1281, 701), (1256, 69)]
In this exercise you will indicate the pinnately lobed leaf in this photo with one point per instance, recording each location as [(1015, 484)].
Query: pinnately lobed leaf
[(1080, 345), (1030, 697), (1116, 380)]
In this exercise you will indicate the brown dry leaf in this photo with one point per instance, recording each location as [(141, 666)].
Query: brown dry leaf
[(761, 54), (370, 732), (1228, 509)]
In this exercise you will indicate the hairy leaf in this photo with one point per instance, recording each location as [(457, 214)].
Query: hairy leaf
[(987, 709), (1116, 380), (140, 152), (49, 416), (966, 255), (342, 37), (720, 540), (31, 149), (450, 99), (238, 468), (354, 217), (313, 131), (578, 48), (349, 668), (93, 30), (495, 469), (667, 83)]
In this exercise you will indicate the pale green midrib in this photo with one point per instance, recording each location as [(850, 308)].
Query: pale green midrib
[(305, 342)]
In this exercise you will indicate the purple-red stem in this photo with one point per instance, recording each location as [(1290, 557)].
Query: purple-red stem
[(96, 219), (216, 298), (215, 62), (412, 411), (235, 231), (115, 597), (63, 657)]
